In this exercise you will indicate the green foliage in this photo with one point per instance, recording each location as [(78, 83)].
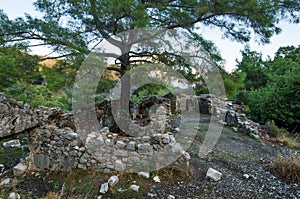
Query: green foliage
[(59, 77), (148, 90), (38, 95), (14, 65), (254, 69), (278, 100)]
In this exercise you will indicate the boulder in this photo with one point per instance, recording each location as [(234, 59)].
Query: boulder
[(213, 174)]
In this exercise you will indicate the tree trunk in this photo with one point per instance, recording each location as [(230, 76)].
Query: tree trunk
[(124, 116)]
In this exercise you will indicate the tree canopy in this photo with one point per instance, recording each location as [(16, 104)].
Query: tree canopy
[(74, 27)]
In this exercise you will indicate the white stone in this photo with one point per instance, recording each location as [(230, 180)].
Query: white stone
[(156, 179), (113, 180), (171, 197), (12, 144), (19, 169), (14, 195), (186, 155), (213, 174), (144, 174), (135, 187), (234, 129), (246, 176), (2, 167), (151, 195), (104, 188)]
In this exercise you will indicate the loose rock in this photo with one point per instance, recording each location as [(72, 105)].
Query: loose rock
[(104, 188), (12, 144), (135, 187), (156, 179), (113, 180), (19, 169), (14, 195), (213, 174), (144, 174)]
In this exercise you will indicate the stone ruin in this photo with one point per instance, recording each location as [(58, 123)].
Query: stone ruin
[(54, 143)]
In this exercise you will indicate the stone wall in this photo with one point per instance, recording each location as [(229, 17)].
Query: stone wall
[(58, 149), (55, 145)]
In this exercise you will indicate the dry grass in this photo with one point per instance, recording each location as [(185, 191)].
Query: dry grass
[(288, 140), (51, 195), (283, 136), (287, 168)]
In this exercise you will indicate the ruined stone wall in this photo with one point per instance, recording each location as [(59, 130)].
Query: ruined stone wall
[(55, 145), (58, 149)]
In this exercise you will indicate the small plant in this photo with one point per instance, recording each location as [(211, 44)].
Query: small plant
[(287, 168), (56, 185)]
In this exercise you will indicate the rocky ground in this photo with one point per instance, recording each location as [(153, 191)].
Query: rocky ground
[(243, 161)]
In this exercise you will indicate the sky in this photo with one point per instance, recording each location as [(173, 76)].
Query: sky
[(230, 50)]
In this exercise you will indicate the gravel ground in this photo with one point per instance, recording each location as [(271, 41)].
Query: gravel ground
[(243, 162)]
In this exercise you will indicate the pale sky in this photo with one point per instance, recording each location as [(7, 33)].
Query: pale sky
[(230, 50)]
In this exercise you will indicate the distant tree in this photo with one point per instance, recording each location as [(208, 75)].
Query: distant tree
[(254, 67)]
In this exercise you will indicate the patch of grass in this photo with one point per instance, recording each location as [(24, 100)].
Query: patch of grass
[(288, 140), (222, 156), (283, 136), (86, 184), (287, 168)]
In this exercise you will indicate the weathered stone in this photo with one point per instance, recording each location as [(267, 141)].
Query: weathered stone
[(14, 195), (135, 187), (100, 140), (231, 119), (144, 174), (121, 153), (2, 168), (165, 138), (156, 179), (171, 197), (213, 174), (131, 145), (5, 182), (104, 188), (41, 161), (12, 144), (119, 165), (104, 130), (113, 180), (120, 144), (20, 169), (145, 149)]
